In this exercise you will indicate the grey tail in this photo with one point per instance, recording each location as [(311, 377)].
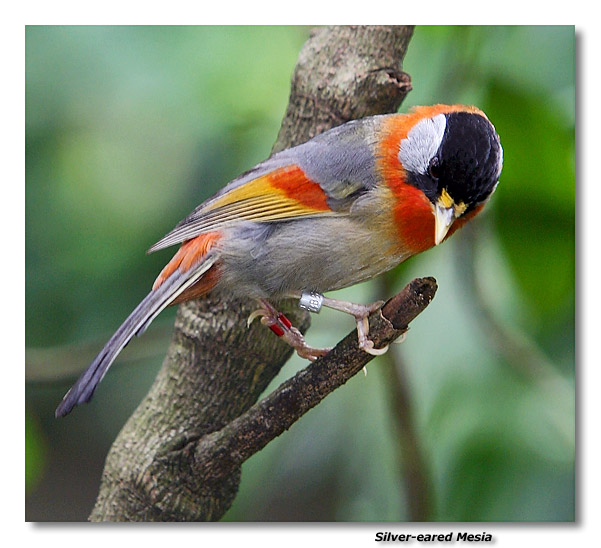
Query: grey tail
[(135, 324)]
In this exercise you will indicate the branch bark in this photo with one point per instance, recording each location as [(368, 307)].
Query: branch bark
[(178, 457), (216, 454)]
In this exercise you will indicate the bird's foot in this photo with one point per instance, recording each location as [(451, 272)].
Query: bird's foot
[(282, 327), (361, 313)]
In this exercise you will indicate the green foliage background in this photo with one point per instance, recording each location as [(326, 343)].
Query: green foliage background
[(129, 128)]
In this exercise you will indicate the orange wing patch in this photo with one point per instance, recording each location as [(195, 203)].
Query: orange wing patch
[(188, 255), (284, 193), (295, 185)]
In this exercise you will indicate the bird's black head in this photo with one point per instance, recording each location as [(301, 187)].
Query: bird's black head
[(468, 162), (455, 159)]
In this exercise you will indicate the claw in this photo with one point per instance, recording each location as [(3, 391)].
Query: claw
[(310, 353), (374, 351), (366, 344), (401, 339), (254, 315)]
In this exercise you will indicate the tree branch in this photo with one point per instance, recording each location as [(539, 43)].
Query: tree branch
[(162, 467), (219, 452)]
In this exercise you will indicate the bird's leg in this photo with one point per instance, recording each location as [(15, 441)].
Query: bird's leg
[(314, 301), (281, 326), (360, 312)]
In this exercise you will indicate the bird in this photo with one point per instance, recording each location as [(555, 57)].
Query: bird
[(349, 204)]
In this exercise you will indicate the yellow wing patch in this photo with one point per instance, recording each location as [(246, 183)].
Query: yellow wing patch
[(285, 192)]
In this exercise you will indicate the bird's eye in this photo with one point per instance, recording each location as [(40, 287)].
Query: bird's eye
[(434, 168)]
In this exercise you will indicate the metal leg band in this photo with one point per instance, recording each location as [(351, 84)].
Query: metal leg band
[(311, 301)]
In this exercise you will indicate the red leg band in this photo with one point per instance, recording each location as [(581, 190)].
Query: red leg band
[(284, 321), (277, 329)]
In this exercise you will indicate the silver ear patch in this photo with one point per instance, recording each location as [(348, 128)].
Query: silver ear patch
[(421, 144)]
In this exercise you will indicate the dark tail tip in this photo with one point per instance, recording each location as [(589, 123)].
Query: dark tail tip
[(83, 390), (136, 322), (70, 401), (65, 407)]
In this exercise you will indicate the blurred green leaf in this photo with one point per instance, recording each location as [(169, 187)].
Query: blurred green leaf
[(535, 201), (35, 453)]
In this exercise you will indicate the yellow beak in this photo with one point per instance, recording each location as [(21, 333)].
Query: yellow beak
[(444, 216)]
